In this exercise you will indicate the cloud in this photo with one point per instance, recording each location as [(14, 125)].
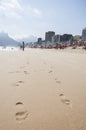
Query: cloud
[(32, 11), (17, 9), (10, 4), (10, 8), (17, 17), (36, 11)]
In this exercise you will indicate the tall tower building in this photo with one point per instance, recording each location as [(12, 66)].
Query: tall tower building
[(84, 34), (49, 36)]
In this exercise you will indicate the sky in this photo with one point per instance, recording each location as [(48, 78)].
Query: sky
[(24, 18)]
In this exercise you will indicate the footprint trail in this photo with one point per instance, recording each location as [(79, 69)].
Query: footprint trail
[(21, 112)]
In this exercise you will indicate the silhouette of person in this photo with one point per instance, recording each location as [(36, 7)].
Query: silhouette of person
[(23, 46)]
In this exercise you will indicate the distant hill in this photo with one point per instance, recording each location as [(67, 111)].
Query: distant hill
[(5, 40)]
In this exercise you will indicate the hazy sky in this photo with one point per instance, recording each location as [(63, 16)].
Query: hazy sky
[(21, 18)]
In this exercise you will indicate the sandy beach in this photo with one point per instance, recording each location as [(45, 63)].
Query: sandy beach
[(43, 89)]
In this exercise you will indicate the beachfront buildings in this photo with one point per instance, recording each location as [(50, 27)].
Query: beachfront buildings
[(49, 36), (39, 41), (66, 38), (53, 40), (61, 39), (57, 38), (84, 34)]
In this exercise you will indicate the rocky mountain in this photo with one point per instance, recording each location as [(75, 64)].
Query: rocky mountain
[(5, 40)]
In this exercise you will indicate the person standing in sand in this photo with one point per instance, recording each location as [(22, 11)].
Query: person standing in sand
[(23, 46)]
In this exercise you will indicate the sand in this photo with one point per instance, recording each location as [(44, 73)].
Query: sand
[(43, 89)]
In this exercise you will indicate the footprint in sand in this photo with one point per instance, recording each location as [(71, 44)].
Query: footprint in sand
[(64, 99), (21, 112), (50, 71), (19, 103), (57, 81), (25, 72), (18, 83)]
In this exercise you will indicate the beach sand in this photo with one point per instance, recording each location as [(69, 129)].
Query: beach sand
[(43, 89)]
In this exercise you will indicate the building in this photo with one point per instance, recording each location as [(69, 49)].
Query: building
[(66, 38), (84, 34), (39, 41), (77, 37), (57, 38), (49, 36)]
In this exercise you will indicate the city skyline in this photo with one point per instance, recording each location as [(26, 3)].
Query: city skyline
[(23, 18)]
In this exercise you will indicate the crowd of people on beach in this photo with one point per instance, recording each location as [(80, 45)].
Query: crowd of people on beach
[(57, 46), (62, 46)]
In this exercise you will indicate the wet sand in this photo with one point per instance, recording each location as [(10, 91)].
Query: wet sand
[(43, 89)]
